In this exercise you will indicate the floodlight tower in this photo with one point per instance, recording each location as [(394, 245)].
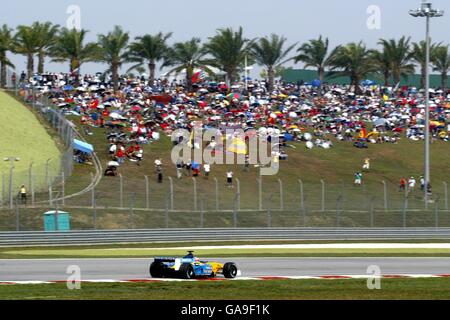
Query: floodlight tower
[(426, 11)]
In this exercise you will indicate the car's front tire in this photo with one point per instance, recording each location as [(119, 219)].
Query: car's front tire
[(230, 270), (187, 271), (157, 270)]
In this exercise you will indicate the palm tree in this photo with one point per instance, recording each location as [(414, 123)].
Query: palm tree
[(113, 51), (6, 44), (186, 56), (419, 55), (441, 64), (382, 61), (398, 55), (46, 37), (26, 43), (315, 54), (353, 60), (149, 49), (229, 49), (70, 47), (269, 52)]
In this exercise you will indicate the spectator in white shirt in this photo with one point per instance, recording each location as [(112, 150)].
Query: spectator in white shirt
[(230, 178), (411, 184), (207, 168)]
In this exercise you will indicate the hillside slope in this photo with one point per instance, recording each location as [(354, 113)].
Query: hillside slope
[(23, 136)]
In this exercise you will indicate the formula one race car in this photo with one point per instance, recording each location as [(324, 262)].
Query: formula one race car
[(190, 267)]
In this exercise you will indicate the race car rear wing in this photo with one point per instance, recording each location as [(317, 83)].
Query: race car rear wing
[(165, 259), (176, 261), (172, 259)]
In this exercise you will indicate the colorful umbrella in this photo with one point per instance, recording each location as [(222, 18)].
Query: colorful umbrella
[(316, 83), (195, 165), (238, 146), (289, 137), (232, 96)]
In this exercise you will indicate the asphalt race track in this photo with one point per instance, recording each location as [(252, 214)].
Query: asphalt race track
[(123, 269)]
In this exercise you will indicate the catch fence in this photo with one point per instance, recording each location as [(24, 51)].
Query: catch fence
[(137, 203)]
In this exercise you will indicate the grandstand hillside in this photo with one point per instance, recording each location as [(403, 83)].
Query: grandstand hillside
[(24, 136)]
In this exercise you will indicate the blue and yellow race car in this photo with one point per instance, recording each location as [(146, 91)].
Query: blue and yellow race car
[(190, 267)]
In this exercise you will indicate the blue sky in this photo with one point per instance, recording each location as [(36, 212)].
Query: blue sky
[(299, 20)]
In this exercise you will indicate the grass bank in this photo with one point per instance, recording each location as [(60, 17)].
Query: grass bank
[(391, 289), (24, 136)]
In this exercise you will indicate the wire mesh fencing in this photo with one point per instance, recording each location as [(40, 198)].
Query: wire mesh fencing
[(142, 202)]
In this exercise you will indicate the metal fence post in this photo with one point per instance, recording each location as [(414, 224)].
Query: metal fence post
[(217, 193), (171, 193), (94, 205), (195, 193), (445, 195), (147, 196), (132, 204), (63, 186), (92, 192), (323, 195), (338, 213), (302, 203), (121, 189), (46, 171), (68, 137), (436, 213), (202, 214), (406, 190), (371, 211), (405, 207), (406, 204), (269, 212), (30, 174), (281, 195), (60, 125), (238, 194), (385, 195), (17, 215), (260, 192), (235, 211), (11, 200), (32, 191), (50, 196), (166, 213), (302, 196)]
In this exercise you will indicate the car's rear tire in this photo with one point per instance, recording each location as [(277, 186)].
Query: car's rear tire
[(157, 270), (187, 271), (230, 270)]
